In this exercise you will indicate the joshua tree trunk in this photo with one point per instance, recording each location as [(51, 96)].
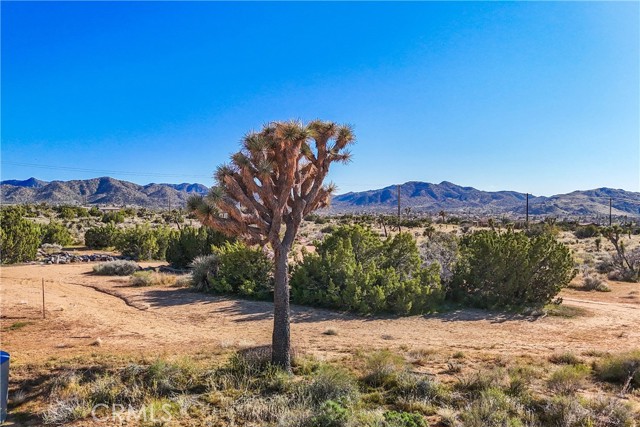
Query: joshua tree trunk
[(281, 341)]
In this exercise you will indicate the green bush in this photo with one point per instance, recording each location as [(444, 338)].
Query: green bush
[(510, 270), (235, 268), (620, 368), (356, 270), (143, 242), (95, 212), (114, 217), (56, 233), (19, 237), (568, 379), (331, 414), (403, 419), (116, 268), (190, 243), (101, 237), (586, 231)]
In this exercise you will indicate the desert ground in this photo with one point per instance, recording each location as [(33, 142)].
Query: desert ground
[(145, 321)]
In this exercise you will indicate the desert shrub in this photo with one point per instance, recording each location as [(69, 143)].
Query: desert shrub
[(116, 268), (152, 278), (403, 419), (441, 248), (354, 269), (510, 270), (620, 368), (56, 232), (95, 212), (565, 411), (50, 248), (413, 387), (235, 268), (70, 212), (19, 237), (164, 236), (330, 383), (569, 379), (586, 231), (143, 242), (566, 358), (190, 243), (383, 368), (331, 414), (101, 237), (482, 380), (116, 217), (593, 282), (493, 408)]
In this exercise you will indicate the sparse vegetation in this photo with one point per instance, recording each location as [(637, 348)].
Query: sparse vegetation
[(250, 390)]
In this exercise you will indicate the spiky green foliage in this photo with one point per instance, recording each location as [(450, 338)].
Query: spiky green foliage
[(275, 180)]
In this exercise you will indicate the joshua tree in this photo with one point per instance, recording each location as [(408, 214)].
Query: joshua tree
[(442, 214), (263, 194)]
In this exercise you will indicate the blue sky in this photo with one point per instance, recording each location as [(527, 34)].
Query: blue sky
[(535, 97)]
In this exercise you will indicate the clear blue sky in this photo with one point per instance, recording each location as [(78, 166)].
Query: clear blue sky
[(534, 97)]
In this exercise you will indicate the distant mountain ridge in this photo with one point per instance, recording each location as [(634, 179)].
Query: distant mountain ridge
[(454, 199), (99, 191), (419, 196)]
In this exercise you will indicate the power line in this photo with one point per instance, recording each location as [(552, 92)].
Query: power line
[(105, 171)]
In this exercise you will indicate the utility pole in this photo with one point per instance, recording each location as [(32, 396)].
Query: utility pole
[(527, 209), (610, 216), (398, 209)]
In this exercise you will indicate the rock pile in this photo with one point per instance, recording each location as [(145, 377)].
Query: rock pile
[(68, 257)]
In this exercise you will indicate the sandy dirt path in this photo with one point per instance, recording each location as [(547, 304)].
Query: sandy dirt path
[(154, 321)]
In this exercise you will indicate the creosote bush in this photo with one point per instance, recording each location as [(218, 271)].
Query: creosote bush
[(354, 269), (510, 270)]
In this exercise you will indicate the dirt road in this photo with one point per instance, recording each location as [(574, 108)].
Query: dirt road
[(81, 308)]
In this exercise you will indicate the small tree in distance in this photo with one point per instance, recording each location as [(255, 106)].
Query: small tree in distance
[(261, 197)]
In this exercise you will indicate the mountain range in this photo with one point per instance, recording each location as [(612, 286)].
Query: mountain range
[(98, 191), (419, 196), (454, 199)]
